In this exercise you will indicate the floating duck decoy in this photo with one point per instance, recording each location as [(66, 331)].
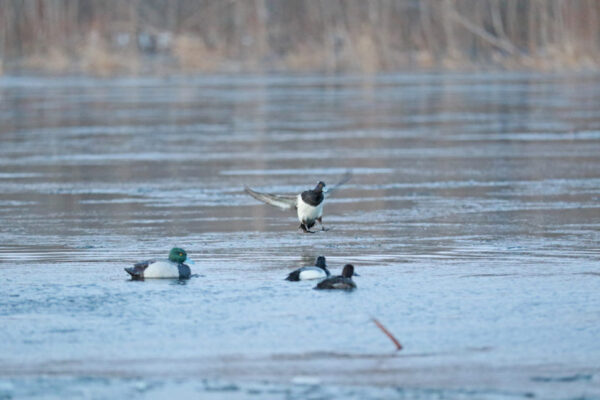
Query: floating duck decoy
[(343, 282), (319, 271), (308, 204), (173, 268)]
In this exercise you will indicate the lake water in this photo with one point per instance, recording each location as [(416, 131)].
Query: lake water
[(473, 218)]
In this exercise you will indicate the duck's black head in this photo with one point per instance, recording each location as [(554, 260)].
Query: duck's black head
[(321, 262), (348, 271), (177, 255), (319, 187)]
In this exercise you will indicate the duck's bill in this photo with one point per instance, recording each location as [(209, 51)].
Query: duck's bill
[(355, 274), (189, 261)]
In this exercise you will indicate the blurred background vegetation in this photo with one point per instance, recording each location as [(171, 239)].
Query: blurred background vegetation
[(106, 37)]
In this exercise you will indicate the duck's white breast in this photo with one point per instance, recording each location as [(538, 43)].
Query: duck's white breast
[(306, 211), (308, 273), (162, 269)]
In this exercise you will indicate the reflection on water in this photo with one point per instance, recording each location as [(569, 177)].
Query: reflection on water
[(473, 217)]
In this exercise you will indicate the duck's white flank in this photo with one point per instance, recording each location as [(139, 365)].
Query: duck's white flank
[(162, 269), (309, 273)]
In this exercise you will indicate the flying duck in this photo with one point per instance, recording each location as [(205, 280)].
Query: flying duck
[(308, 204), (343, 282), (174, 267), (319, 271)]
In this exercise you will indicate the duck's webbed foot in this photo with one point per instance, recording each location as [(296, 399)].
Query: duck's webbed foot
[(305, 229), (320, 220)]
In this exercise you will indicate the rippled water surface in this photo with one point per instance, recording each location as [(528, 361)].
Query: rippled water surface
[(473, 218)]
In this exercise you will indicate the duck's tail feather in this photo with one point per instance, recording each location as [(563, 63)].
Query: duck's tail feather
[(137, 271), (293, 276), (285, 202)]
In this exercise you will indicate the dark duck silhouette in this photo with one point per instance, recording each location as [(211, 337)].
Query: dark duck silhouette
[(341, 282)]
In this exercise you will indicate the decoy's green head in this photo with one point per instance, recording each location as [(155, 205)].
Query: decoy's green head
[(177, 255)]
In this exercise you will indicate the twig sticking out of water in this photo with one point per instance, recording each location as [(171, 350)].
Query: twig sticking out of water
[(387, 333)]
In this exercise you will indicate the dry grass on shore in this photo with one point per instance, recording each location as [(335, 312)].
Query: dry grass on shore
[(156, 36)]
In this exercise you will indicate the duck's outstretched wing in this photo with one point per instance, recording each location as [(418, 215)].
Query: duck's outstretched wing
[(285, 202), (347, 176)]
